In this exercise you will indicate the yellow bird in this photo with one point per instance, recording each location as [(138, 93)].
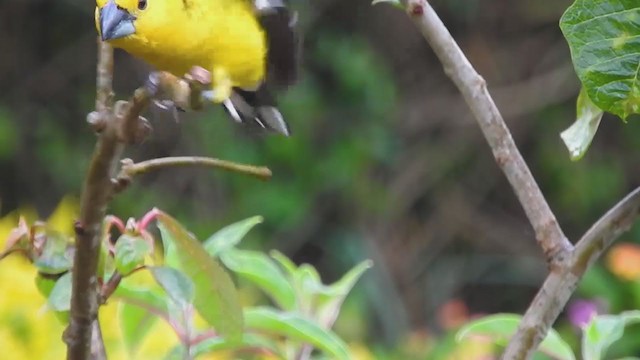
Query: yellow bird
[(248, 46)]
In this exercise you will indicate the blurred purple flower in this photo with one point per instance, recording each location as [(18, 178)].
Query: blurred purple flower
[(581, 311)]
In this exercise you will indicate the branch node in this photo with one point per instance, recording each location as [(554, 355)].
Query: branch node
[(133, 128), (78, 228), (415, 8), (97, 121)]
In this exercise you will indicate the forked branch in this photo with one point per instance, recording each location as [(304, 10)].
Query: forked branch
[(555, 245), (567, 264), (117, 125)]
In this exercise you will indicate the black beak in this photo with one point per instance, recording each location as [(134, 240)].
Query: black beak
[(115, 22)]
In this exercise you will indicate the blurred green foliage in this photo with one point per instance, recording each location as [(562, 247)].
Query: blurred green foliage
[(381, 154)]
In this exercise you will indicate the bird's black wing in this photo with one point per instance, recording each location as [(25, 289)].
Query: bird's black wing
[(259, 106)]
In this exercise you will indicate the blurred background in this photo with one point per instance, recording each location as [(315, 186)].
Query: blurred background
[(385, 161)]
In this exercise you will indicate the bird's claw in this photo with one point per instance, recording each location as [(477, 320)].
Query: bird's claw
[(171, 106), (207, 95)]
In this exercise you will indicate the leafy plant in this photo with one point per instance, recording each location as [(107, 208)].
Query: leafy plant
[(597, 336), (192, 292), (602, 36)]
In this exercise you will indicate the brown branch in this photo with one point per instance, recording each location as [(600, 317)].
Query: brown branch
[(110, 286), (96, 192), (131, 169), (84, 305), (98, 351), (119, 125), (568, 263), (559, 286), (550, 237)]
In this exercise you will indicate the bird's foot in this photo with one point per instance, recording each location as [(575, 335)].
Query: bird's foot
[(217, 95), (169, 105), (200, 74), (152, 85)]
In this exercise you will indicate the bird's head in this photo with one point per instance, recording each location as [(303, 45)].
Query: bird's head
[(117, 19)]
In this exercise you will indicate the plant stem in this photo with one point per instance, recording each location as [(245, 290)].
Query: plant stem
[(130, 169), (550, 237), (567, 263), (95, 194), (559, 286), (115, 127)]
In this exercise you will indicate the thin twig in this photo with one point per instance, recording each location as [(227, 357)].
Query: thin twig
[(131, 169), (550, 237), (110, 286), (558, 287)]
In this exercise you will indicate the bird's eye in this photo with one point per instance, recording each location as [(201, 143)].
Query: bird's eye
[(142, 4)]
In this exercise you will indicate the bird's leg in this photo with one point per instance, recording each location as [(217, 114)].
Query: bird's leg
[(222, 86), (153, 84)]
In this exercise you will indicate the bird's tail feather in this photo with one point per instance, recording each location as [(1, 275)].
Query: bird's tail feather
[(256, 108), (259, 107)]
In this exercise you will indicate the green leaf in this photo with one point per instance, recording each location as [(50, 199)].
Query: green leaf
[(60, 296), (392, 2), (263, 272), (135, 323), (605, 48), (249, 341), (216, 298), (331, 301), (170, 255), (147, 299), (578, 136), (175, 284), (44, 285), (604, 330), (230, 236), (55, 257), (130, 253), (289, 267), (296, 327), (308, 285), (500, 328), (179, 352)]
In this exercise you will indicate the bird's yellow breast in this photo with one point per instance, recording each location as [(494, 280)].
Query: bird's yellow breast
[(175, 35)]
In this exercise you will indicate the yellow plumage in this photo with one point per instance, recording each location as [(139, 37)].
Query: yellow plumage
[(238, 41), (222, 36)]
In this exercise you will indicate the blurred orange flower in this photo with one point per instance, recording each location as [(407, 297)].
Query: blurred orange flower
[(453, 314), (624, 261)]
